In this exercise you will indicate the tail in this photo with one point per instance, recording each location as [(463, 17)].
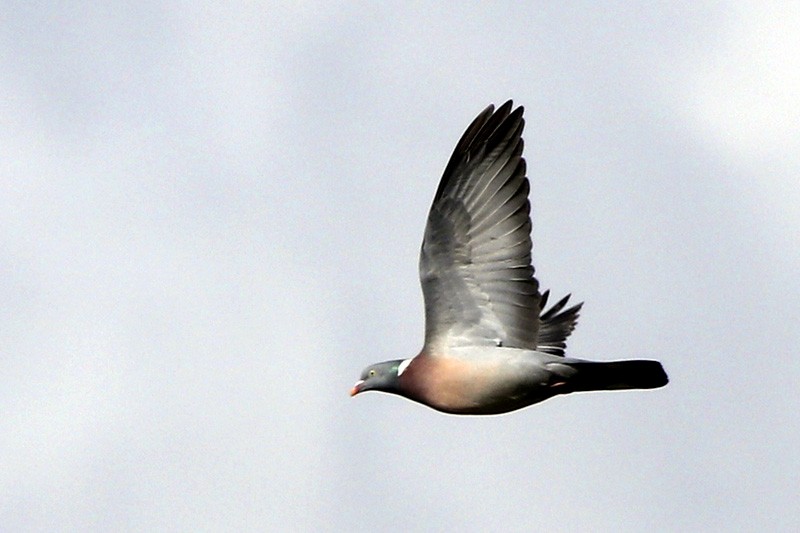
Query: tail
[(616, 375)]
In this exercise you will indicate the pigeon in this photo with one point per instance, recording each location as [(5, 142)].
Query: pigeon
[(490, 346)]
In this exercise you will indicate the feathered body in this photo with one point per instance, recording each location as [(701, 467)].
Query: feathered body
[(490, 345)]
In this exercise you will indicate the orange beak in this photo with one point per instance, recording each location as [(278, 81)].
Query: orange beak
[(356, 388)]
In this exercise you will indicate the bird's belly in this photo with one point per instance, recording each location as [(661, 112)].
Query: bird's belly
[(460, 387)]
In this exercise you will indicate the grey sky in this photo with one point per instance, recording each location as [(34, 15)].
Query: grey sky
[(210, 220)]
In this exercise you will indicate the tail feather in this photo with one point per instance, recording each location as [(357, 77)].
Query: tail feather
[(617, 375)]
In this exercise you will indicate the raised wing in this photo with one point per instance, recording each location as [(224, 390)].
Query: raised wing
[(556, 324), (475, 263)]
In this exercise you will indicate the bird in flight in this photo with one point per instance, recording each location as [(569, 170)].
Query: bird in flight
[(490, 347)]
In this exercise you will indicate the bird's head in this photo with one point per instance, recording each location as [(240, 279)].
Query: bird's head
[(382, 377)]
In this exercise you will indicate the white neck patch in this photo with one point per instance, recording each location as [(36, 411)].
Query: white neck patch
[(402, 366)]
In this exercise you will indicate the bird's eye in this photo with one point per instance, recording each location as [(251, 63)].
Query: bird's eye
[(371, 372)]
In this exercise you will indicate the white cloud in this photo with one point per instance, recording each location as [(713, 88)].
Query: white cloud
[(744, 91)]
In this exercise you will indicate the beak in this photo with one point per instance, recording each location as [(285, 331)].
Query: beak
[(356, 388)]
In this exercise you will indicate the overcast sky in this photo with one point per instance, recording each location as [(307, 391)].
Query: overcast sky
[(209, 224)]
